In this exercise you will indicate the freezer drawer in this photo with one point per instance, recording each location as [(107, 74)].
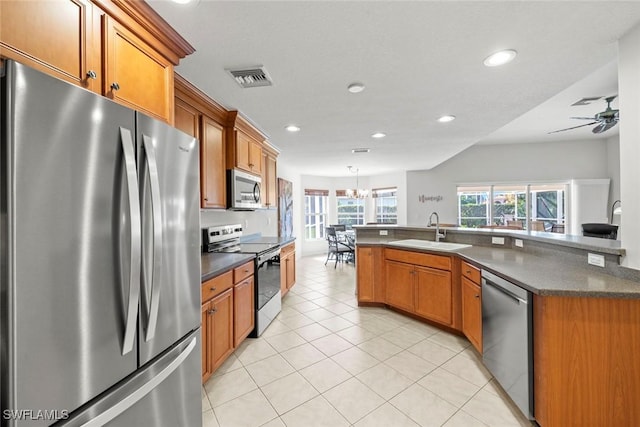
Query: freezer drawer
[(164, 394)]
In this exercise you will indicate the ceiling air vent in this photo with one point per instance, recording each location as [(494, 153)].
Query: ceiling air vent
[(251, 76), (360, 150)]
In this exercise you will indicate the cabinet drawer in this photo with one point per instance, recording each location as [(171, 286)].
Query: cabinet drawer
[(215, 286), (471, 272), (426, 260), (287, 249), (242, 272)]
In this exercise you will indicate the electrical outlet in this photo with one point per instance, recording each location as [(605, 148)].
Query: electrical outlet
[(497, 240), (595, 259), (384, 232), (519, 243)]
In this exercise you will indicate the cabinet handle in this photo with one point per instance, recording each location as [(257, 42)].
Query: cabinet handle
[(477, 296), (206, 200), (92, 75), (213, 288), (212, 311), (115, 86), (468, 272), (246, 270)]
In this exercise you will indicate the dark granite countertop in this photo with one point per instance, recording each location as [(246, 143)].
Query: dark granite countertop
[(540, 274), (214, 264)]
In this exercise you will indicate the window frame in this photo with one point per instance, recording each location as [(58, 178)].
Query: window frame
[(317, 220)]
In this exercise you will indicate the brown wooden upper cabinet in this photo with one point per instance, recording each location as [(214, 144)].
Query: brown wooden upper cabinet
[(117, 48), (201, 117), (269, 177), (244, 145)]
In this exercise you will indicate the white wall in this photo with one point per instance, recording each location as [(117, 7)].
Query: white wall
[(613, 173), (261, 221), (501, 164), (629, 104)]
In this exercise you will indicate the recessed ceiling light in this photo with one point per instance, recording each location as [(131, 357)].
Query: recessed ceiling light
[(500, 58), (182, 1), (378, 135), (445, 119), (355, 87), (292, 128)]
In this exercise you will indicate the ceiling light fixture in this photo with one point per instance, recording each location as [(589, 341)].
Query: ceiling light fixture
[(445, 119), (355, 87), (378, 135), (356, 193), (292, 128), (500, 58)]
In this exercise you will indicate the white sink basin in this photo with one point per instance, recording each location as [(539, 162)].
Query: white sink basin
[(428, 244)]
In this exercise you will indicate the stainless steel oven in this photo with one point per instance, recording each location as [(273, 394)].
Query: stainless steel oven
[(268, 296)]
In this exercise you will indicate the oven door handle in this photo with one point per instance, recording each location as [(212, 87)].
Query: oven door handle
[(267, 256)]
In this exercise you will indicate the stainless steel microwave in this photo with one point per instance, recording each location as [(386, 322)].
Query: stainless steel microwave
[(243, 190)]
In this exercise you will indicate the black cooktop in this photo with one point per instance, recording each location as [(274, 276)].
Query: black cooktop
[(250, 248)]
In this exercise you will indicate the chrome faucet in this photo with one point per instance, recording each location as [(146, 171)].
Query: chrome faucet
[(430, 224)]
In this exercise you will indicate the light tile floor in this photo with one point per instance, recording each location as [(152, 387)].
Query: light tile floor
[(325, 362)]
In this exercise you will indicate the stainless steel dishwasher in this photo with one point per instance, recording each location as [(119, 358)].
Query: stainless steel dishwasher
[(507, 338)]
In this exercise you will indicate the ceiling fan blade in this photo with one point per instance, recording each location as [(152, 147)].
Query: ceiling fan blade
[(582, 118), (575, 127), (603, 127)]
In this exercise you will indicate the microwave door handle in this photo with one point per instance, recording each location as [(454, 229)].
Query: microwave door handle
[(150, 156), (135, 239), (256, 192)]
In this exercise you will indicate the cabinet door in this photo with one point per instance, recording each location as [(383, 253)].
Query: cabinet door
[(400, 285), (187, 118), (136, 75), (221, 334), (212, 167), (291, 270), (472, 312), (243, 310), (364, 274), (255, 157), (272, 182), (434, 294), (242, 144), (54, 37), (206, 341)]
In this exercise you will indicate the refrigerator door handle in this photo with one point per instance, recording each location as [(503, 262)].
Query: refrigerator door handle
[(142, 391), (150, 156), (135, 241)]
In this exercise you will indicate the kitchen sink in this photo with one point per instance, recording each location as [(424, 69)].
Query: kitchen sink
[(428, 244)]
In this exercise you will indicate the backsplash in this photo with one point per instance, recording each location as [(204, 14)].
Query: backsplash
[(263, 221)]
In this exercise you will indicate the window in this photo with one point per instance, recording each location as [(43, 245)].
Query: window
[(537, 207), (386, 205), (315, 213), (473, 206), (350, 211)]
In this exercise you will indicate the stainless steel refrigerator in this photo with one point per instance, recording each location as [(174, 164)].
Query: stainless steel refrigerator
[(100, 261)]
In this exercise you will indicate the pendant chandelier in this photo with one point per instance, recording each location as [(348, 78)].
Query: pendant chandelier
[(356, 193)]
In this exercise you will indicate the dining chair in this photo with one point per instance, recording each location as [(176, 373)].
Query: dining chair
[(337, 249)]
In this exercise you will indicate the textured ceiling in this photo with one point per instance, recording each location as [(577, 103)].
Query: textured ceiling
[(419, 60)]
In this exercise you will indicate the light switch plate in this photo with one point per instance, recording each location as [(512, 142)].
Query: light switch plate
[(384, 232), (519, 243), (497, 240), (595, 259)]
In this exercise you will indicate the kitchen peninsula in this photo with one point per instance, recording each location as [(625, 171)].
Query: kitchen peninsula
[(585, 322)]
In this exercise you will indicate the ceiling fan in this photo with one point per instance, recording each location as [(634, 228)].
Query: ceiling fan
[(604, 120)]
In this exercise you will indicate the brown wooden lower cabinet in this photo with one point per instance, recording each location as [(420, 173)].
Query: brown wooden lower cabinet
[(420, 288), (370, 274), (586, 361), (287, 268), (220, 328), (243, 312), (472, 312), (228, 315)]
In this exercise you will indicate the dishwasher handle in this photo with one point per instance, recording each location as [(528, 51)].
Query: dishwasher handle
[(507, 288), (504, 291)]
